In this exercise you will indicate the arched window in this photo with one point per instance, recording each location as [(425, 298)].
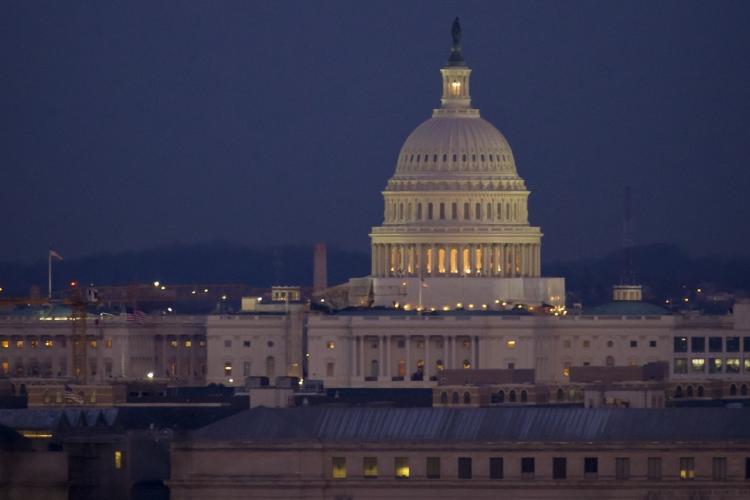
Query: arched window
[(512, 396), (441, 260), (473, 157), (488, 215), (442, 211), (515, 211), (689, 391), (467, 398), (454, 210), (499, 213), (401, 211), (560, 396), (454, 261), (466, 211), (419, 211), (270, 367), (434, 158), (417, 158), (463, 157), (429, 211), (408, 212), (481, 157), (491, 157), (478, 211), (524, 397), (743, 390), (732, 390), (445, 157), (610, 343), (701, 392), (610, 361), (454, 157), (454, 398), (501, 396), (678, 392)]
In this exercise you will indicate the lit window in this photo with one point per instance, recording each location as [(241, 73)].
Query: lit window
[(173, 343), (188, 344), (402, 467), (35, 343), (108, 343), (467, 364), (715, 365), (5, 343), (566, 370), (510, 344), (698, 365), (92, 344), (330, 345), (48, 343), (370, 467), (338, 467), (687, 468), (119, 460), (733, 365), (228, 368)]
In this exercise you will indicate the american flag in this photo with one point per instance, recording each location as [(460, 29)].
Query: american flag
[(71, 396), (136, 316)]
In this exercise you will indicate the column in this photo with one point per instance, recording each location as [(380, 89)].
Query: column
[(472, 259), (374, 260), (523, 259), (418, 260), (408, 358), (473, 357), (427, 368), (362, 368), (433, 260), (453, 352), (486, 271), (445, 352), (461, 265), (381, 354), (501, 259)]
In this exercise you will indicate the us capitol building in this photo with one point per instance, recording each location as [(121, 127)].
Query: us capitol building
[(456, 225)]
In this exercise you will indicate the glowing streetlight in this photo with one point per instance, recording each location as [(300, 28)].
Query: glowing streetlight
[(156, 284), (150, 375)]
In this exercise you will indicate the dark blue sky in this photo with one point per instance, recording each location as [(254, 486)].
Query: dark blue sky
[(126, 125)]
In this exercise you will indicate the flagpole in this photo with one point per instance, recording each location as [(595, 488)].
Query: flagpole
[(49, 275)]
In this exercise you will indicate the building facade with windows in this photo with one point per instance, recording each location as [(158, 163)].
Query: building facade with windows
[(673, 454)]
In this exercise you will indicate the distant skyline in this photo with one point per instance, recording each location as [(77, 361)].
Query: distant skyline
[(134, 125)]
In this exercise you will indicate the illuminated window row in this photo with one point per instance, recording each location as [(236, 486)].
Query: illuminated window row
[(711, 365), (464, 468)]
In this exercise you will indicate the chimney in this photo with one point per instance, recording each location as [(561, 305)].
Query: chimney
[(320, 267)]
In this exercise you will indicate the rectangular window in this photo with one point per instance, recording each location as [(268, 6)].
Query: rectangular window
[(687, 468), (586, 343), (590, 467), (108, 343), (464, 467), (401, 465), (329, 369), (698, 365), (680, 365), (566, 344), (338, 467), (19, 344), (559, 468), (119, 464), (747, 365), (715, 344), (527, 467), (433, 467), (654, 468), (454, 211), (733, 344), (720, 468), (496, 468), (188, 344), (715, 365), (246, 368), (48, 343), (5, 343), (172, 343), (370, 467), (622, 468), (746, 344), (633, 343), (747, 468), (227, 343), (245, 343), (733, 365), (698, 344), (680, 344), (652, 343)]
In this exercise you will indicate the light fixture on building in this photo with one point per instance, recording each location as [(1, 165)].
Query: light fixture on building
[(157, 284), (150, 375)]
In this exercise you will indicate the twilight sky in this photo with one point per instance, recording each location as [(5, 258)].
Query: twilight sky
[(126, 125)]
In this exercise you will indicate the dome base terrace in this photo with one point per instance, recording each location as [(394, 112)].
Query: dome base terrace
[(437, 293)]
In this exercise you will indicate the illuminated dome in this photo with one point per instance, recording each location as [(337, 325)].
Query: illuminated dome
[(455, 144)]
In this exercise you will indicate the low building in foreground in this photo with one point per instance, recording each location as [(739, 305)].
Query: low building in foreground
[(520, 453)]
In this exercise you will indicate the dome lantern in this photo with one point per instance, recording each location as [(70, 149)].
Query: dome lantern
[(456, 75)]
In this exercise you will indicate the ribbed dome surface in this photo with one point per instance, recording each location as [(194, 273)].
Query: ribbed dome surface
[(460, 145)]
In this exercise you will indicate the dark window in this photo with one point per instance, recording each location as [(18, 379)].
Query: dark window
[(652, 343), (680, 365), (442, 211), (496, 468), (746, 344), (747, 468), (633, 343), (654, 468), (464, 467), (698, 344), (559, 468), (733, 344), (622, 468), (433, 467), (680, 344), (590, 466), (527, 467), (714, 344), (720, 468)]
